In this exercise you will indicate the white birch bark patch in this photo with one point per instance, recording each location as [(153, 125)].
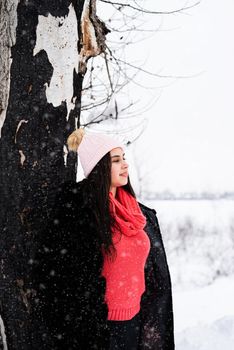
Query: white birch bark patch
[(58, 36)]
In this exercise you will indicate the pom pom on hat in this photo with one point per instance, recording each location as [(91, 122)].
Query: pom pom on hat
[(91, 147), (75, 139)]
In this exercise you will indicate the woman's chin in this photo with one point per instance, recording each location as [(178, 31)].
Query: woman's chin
[(124, 182)]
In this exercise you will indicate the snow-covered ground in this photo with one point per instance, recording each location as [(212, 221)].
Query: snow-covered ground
[(204, 316), (199, 240)]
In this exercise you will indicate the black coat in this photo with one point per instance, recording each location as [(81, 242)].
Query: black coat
[(69, 304)]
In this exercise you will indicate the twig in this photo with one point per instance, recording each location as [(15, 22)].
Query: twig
[(140, 9)]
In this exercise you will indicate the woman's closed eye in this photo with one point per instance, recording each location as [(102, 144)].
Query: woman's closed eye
[(117, 160)]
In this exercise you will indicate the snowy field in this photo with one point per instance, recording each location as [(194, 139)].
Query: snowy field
[(199, 240), (204, 316)]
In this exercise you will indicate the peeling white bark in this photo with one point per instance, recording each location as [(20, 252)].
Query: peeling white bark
[(22, 157), (8, 24), (3, 335), (65, 153), (18, 127), (90, 47), (58, 36), (3, 114)]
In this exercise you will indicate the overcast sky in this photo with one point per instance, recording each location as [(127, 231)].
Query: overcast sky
[(188, 144)]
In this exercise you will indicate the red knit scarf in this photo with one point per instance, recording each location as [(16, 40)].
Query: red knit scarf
[(127, 213)]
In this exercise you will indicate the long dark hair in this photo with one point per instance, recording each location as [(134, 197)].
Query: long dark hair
[(99, 181)]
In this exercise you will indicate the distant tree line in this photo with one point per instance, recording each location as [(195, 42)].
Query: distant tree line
[(169, 195)]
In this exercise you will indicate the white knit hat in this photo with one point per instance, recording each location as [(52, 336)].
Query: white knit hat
[(91, 147)]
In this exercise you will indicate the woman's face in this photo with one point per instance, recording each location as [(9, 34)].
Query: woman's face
[(119, 169)]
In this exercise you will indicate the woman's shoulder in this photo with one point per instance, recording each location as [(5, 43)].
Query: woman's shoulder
[(70, 187), (69, 197), (71, 190), (150, 214), (147, 210)]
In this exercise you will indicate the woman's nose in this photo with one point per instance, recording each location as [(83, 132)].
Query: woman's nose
[(125, 164)]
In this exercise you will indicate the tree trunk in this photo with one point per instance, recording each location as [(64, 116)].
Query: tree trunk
[(44, 47)]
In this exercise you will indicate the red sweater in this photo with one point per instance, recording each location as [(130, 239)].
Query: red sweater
[(125, 280)]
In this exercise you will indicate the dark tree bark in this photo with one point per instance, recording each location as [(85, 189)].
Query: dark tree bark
[(38, 119)]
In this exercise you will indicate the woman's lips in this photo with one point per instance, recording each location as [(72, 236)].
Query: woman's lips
[(124, 174)]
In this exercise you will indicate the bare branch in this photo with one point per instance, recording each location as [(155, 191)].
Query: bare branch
[(156, 74), (142, 10), (106, 79), (108, 72)]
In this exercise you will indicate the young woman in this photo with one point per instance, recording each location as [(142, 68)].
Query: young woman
[(102, 280)]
